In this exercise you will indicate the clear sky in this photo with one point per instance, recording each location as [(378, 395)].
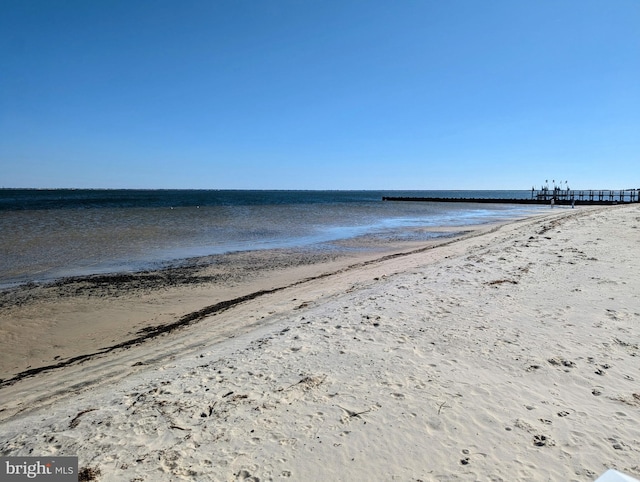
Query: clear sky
[(305, 94)]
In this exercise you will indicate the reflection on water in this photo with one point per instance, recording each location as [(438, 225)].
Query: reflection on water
[(37, 244)]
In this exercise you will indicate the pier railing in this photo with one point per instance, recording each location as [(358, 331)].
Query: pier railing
[(555, 196), (591, 195)]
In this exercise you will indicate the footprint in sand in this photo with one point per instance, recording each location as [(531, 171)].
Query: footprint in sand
[(246, 475), (542, 441), (559, 361)]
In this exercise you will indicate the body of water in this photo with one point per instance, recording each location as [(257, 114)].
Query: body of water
[(48, 234)]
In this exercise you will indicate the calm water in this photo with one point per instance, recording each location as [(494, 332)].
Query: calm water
[(46, 234)]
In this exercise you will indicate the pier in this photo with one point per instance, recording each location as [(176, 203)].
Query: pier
[(567, 196), (556, 196)]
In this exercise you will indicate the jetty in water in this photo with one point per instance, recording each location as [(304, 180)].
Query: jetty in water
[(556, 196)]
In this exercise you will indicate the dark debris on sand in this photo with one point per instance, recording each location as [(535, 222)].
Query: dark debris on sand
[(230, 268)]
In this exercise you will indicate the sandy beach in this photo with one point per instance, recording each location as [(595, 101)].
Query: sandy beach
[(510, 353)]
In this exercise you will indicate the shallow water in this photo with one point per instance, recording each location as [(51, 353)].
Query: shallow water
[(50, 234)]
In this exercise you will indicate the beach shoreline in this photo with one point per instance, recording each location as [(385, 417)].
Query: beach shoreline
[(49, 325), (507, 353)]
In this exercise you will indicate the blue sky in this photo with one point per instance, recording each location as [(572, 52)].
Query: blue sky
[(460, 94)]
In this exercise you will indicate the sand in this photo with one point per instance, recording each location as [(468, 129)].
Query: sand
[(510, 354), (49, 325)]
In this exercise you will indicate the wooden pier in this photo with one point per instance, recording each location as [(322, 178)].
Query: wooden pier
[(567, 196), (557, 196)]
